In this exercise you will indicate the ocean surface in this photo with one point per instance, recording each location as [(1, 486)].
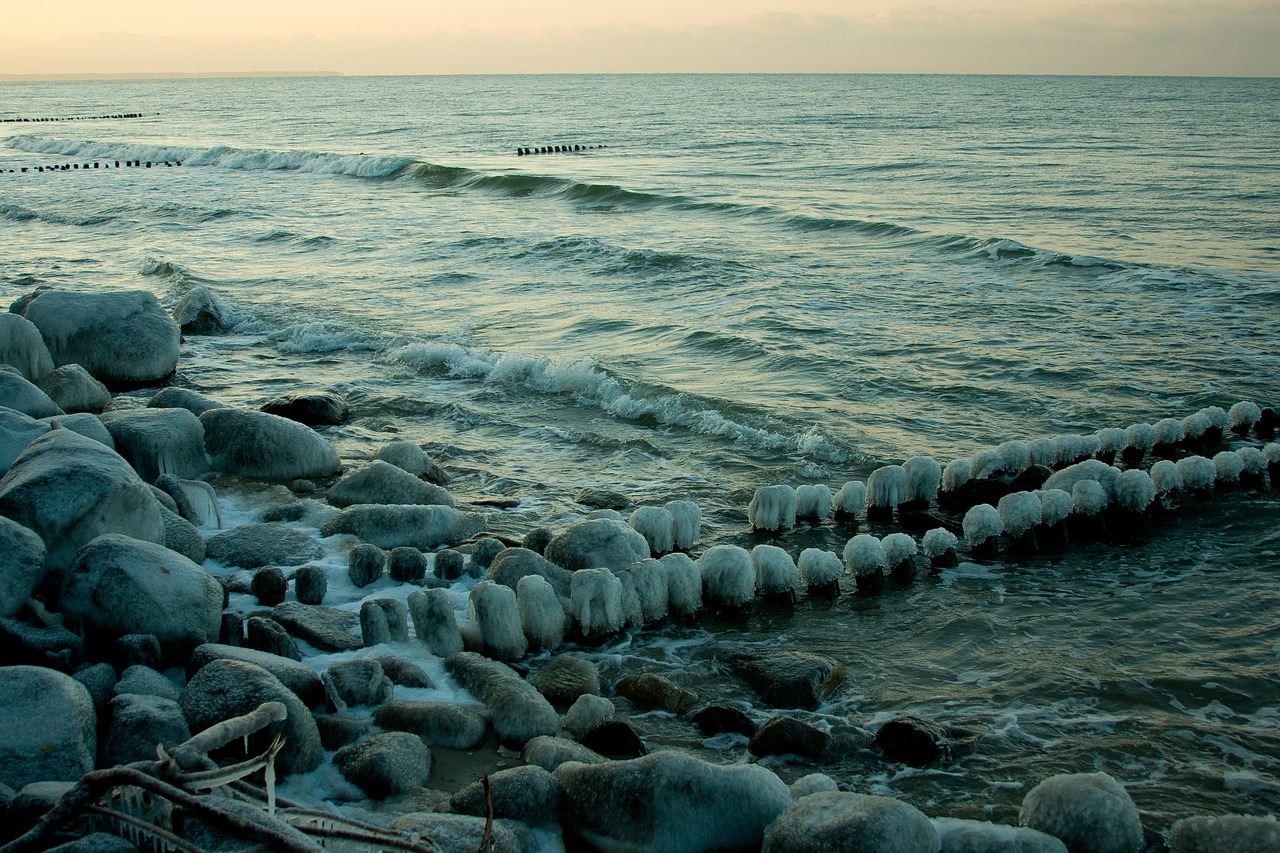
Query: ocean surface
[(749, 280)]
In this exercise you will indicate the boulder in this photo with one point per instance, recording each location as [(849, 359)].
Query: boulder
[(49, 727), (550, 752), (410, 457), (587, 713), (182, 537), (310, 583), (566, 677), (301, 679), (265, 447), (519, 712), (650, 692), (669, 802), (717, 719), (365, 564), (70, 489), (118, 586), (17, 430), (22, 347), (122, 338), (22, 396), (384, 620), (390, 526), (38, 645), (449, 564), (851, 823), (1089, 812), (136, 723), (317, 408), (100, 680), (615, 739), (357, 682), (385, 764), (812, 784), (919, 742), (200, 313), (267, 635), (269, 585), (183, 398), (338, 730), (383, 483), (597, 543), (223, 689), (787, 679), (252, 545), (73, 389), (979, 836), (441, 723), (1232, 833), (511, 564), (84, 423), (21, 565), (788, 736), (404, 672), (327, 628), (528, 794), (602, 499), (159, 441), (434, 624), (146, 681), (136, 650), (406, 565)]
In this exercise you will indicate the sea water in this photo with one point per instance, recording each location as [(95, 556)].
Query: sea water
[(737, 281)]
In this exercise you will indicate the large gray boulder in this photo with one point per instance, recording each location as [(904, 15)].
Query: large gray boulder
[(48, 725), (327, 628), (1089, 812), (122, 338), (297, 676), (518, 711), (266, 447), (599, 543), (511, 564), (137, 723), (788, 679), (17, 430), (70, 489), (174, 397), (22, 347), (21, 565), (851, 823), (73, 389), (395, 526), (200, 312), (441, 723), (670, 802), (21, 395), (980, 836), (384, 483), (159, 441), (386, 764), (252, 545), (224, 689), (84, 423), (117, 586)]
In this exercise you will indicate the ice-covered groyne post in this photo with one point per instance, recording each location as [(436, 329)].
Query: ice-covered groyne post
[(885, 489)]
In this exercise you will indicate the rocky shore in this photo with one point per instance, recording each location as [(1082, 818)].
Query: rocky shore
[(296, 631)]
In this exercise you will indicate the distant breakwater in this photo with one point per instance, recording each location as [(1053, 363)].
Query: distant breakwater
[(89, 167), (23, 120)]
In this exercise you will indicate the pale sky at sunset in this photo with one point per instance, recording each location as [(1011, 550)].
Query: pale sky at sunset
[(1234, 37)]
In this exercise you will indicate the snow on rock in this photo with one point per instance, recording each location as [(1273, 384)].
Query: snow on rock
[(986, 463), (657, 525), (898, 547), (650, 578), (776, 572), (1252, 460), (851, 823), (1014, 457), (981, 523), (1244, 415), (1089, 469), (22, 347), (434, 623), (1019, 512), (1141, 436), (686, 523), (1087, 811), (1168, 431), (670, 802), (383, 483), (1112, 440), (1088, 497), (394, 526), (1055, 506), (728, 575), (73, 389), (864, 556), (1227, 467), (886, 486), (1197, 472), (266, 447), (598, 543), (1196, 425), (595, 598), (1043, 451), (1166, 477), (122, 338), (956, 474), (1218, 417), (773, 508)]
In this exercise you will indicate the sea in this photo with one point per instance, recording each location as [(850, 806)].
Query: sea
[(723, 282)]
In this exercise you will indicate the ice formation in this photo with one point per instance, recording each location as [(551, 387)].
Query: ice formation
[(1244, 415), (898, 548), (541, 616), (651, 588), (1135, 490), (851, 499), (632, 612), (776, 572), (686, 523), (813, 502), (1166, 477), (864, 556), (495, 610), (1043, 451), (1088, 497), (1197, 473), (684, 584), (1168, 431), (981, 523), (1019, 512), (1112, 440), (1227, 467), (986, 463), (1087, 811), (1194, 426), (1014, 457), (728, 575), (924, 476), (657, 526), (956, 474), (938, 541), (587, 712), (434, 624), (1253, 460), (1218, 417), (1141, 436), (1055, 506), (885, 486), (773, 508), (1089, 469), (819, 567), (595, 597)]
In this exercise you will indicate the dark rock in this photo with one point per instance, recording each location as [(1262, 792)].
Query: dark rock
[(615, 739), (310, 583), (406, 564), (602, 499), (137, 723), (327, 628), (856, 823), (528, 794), (496, 503), (566, 677), (96, 842), (538, 539), (338, 730), (1029, 480), (100, 680), (145, 681), (404, 672), (789, 736), (974, 492), (918, 742), (301, 679), (485, 551), (201, 313), (717, 719), (365, 564), (313, 409), (385, 764), (231, 633), (449, 564), (49, 726), (252, 545), (441, 723), (357, 682), (649, 692), (269, 586), (790, 679), (52, 646), (268, 635), (136, 650), (22, 556)]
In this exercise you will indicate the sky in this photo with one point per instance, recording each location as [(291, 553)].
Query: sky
[(1184, 37)]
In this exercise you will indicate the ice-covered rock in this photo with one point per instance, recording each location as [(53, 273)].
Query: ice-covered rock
[(599, 543), (899, 551), (70, 489), (939, 545), (986, 463), (17, 430), (541, 616), (1055, 506), (22, 556), (686, 523), (495, 609), (812, 784), (982, 526), (22, 347), (1227, 468), (632, 614), (384, 620), (136, 723), (301, 679), (776, 572), (550, 752), (159, 441), (684, 585), (174, 397), (200, 312), (327, 628), (1088, 497), (819, 570), (383, 483), (1111, 442), (385, 764), (441, 723), (595, 597), (409, 457), (1015, 457), (565, 678), (924, 477), (73, 389), (49, 727), (851, 823), (357, 681), (1195, 426), (813, 502), (519, 712), (1089, 812), (1168, 435), (1166, 477), (1042, 452), (979, 836), (851, 500), (22, 396), (773, 508), (513, 564), (1139, 439), (122, 338), (1232, 833), (392, 526), (406, 565), (789, 679), (528, 794), (587, 712), (265, 447), (1243, 416), (252, 545), (657, 526), (728, 575), (650, 577), (434, 624), (669, 802), (648, 691)]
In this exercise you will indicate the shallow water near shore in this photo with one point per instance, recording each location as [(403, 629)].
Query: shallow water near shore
[(759, 280)]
